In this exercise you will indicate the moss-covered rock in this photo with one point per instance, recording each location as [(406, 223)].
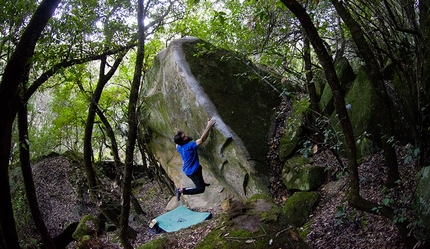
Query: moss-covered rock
[(189, 82), (362, 102), (304, 230), (258, 223), (162, 242), (293, 126), (299, 206), (89, 225), (298, 173), (264, 207), (346, 76)]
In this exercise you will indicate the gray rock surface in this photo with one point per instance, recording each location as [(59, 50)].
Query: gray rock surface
[(189, 82)]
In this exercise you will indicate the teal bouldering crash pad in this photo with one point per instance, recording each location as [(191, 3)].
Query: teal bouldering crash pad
[(180, 217)]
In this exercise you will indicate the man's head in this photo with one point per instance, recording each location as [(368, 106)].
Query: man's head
[(181, 139)]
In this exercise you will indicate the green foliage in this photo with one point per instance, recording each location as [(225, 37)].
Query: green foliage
[(344, 215), (412, 154)]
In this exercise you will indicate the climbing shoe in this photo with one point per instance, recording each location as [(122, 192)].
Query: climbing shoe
[(178, 194)]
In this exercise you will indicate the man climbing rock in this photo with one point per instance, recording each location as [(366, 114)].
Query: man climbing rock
[(191, 164)]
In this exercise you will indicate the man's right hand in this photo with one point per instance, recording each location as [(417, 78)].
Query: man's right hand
[(211, 122)]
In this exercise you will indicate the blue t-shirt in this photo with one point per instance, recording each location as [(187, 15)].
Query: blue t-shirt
[(190, 157)]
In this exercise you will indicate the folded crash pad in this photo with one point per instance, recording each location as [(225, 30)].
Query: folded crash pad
[(180, 217)]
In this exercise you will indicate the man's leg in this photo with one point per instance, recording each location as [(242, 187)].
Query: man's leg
[(197, 178)]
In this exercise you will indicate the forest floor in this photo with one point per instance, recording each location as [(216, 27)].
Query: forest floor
[(333, 224)]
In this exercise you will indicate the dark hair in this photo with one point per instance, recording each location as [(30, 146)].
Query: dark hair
[(178, 138)]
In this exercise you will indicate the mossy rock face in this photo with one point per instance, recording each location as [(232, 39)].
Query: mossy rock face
[(299, 206), (344, 72), (362, 102), (191, 81), (304, 230), (259, 224), (422, 201), (162, 242), (293, 127), (298, 173), (263, 207), (362, 106), (88, 225), (346, 76)]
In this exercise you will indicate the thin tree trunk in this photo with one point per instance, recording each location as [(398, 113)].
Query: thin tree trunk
[(338, 94), (114, 144), (424, 77), (27, 174), (117, 160), (385, 125), (89, 126), (9, 103), (30, 191), (354, 197), (309, 78), (132, 130)]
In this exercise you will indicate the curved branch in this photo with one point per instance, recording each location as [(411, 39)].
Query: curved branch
[(64, 64), (409, 31)]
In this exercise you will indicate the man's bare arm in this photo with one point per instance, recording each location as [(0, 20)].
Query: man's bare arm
[(205, 134)]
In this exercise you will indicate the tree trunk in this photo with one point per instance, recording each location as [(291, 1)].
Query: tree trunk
[(9, 102), (338, 94), (385, 120), (354, 197), (132, 129), (309, 78), (27, 174), (89, 126), (424, 86), (114, 144)]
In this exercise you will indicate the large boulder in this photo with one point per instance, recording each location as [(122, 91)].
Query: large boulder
[(191, 81), (362, 105)]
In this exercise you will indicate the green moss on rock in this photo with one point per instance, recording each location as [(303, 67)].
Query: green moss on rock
[(299, 206), (240, 95), (264, 207), (304, 230), (293, 126), (88, 225), (161, 242), (346, 76), (298, 173), (260, 225)]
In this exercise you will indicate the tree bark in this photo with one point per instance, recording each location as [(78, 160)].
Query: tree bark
[(9, 103), (114, 144), (354, 197), (313, 96), (385, 120), (30, 190), (424, 86), (132, 130), (89, 126), (338, 94)]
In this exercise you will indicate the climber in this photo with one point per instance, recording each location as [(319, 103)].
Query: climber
[(191, 164)]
